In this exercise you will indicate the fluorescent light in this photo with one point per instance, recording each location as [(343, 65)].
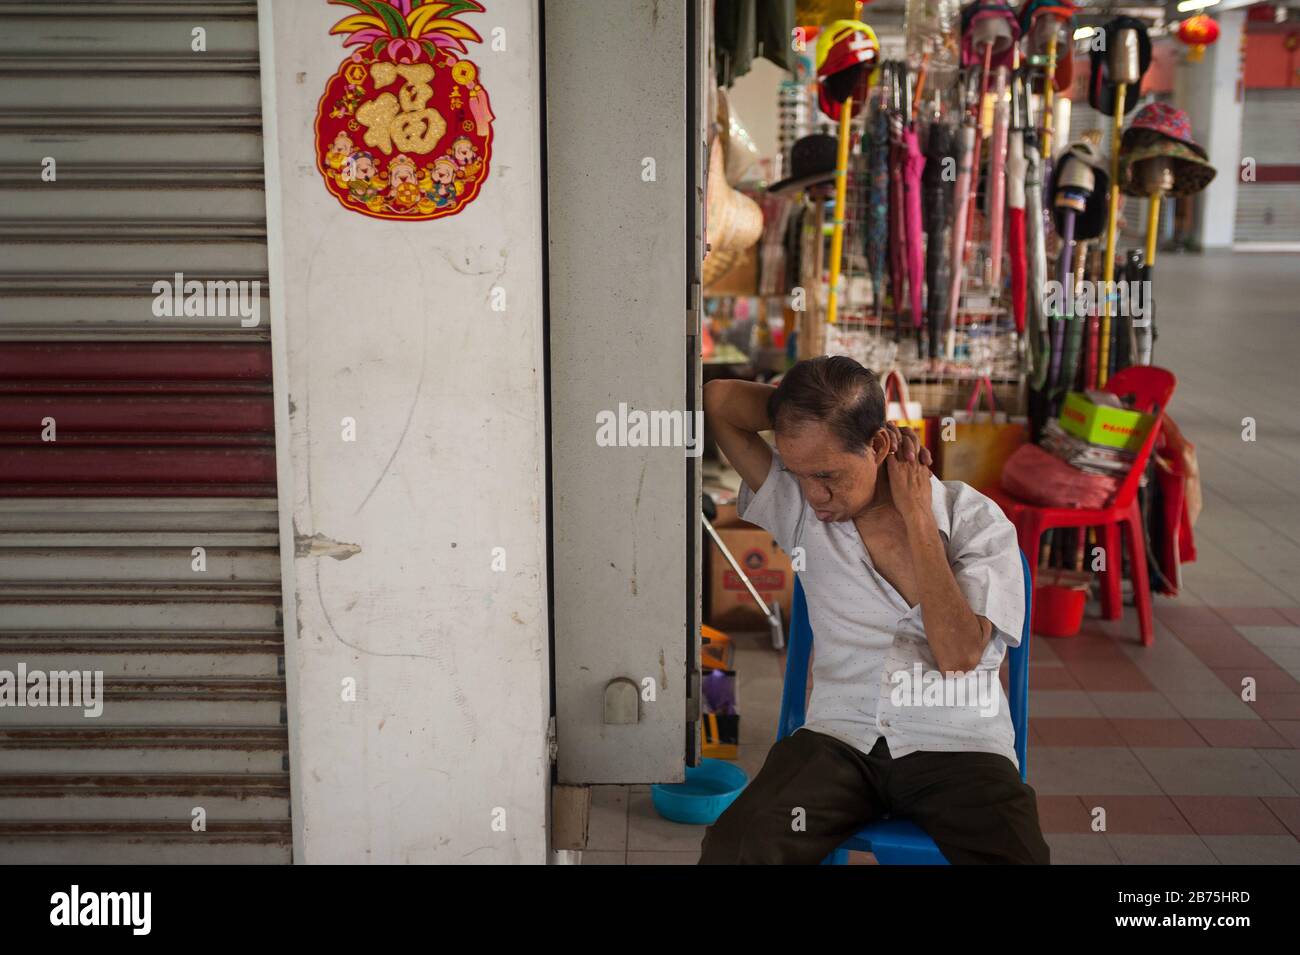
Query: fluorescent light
[(1084, 32), (1186, 5)]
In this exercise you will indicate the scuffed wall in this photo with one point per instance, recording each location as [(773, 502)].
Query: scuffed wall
[(418, 563)]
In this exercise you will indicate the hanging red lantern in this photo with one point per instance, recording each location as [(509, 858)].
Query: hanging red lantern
[(1198, 32)]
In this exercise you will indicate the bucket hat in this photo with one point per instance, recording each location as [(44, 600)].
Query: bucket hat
[(1160, 121), (1192, 171)]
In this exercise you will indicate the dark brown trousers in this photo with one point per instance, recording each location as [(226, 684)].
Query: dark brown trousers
[(973, 805)]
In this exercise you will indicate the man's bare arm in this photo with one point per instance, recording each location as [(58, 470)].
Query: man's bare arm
[(736, 411), (956, 634)]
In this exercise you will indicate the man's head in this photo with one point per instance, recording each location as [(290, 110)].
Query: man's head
[(829, 416)]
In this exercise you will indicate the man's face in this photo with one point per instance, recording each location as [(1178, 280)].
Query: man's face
[(839, 484)]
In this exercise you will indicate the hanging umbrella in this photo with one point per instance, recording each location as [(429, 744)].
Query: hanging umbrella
[(1074, 326), (913, 167), (989, 33), (878, 202), (1079, 199), (1016, 165), (965, 149), (939, 148), (997, 178), (1036, 249), (897, 215)]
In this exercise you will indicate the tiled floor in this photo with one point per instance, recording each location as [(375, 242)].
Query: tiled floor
[(1148, 755)]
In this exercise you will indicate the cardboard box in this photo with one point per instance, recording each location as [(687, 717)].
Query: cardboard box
[(1099, 424), (767, 566)]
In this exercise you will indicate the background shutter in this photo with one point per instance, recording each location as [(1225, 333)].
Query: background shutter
[(165, 439), (1268, 209)]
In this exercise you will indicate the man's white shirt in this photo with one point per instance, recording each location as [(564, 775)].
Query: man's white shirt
[(870, 645)]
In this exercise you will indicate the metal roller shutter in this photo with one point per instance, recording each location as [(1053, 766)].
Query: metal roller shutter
[(1268, 209), (164, 440)]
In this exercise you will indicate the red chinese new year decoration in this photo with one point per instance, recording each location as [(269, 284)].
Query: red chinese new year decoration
[(404, 128), (1198, 32)]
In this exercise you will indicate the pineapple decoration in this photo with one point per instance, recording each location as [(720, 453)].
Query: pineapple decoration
[(404, 129)]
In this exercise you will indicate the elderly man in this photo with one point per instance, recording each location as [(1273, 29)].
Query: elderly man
[(909, 580)]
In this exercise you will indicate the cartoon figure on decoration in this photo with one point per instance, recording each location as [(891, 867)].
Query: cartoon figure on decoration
[(339, 151), (445, 187), (406, 101), (403, 182), (360, 175), (466, 157)]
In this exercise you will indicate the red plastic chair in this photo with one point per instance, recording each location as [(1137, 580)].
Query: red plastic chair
[(1149, 389)]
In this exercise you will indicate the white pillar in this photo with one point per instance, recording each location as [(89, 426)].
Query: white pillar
[(1212, 93), (417, 672)]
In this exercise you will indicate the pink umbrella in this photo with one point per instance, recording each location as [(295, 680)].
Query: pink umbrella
[(997, 180), (913, 166)]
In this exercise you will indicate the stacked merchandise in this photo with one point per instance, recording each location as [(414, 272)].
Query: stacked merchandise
[(967, 238)]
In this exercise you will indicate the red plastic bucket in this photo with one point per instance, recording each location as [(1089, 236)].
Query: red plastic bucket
[(1058, 610)]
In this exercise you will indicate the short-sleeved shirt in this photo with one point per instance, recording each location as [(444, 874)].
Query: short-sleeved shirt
[(874, 673)]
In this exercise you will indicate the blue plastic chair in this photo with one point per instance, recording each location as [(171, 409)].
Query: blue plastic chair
[(898, 841)]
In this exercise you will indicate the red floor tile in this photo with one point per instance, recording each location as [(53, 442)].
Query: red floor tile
[(1268, 679), (1051, 678), (1103, 676), (1140, 815), (1243, 734), (1229, 816), (1157, 732), (1063, 814), (1172, 615), (1287, 809), (1252, 616), (1090, 646), (1229, 651), (1075, 731), (1289, 730), (1277, 706), (1209, 636)]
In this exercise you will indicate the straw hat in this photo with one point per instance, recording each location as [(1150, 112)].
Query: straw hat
[(734, 221)]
